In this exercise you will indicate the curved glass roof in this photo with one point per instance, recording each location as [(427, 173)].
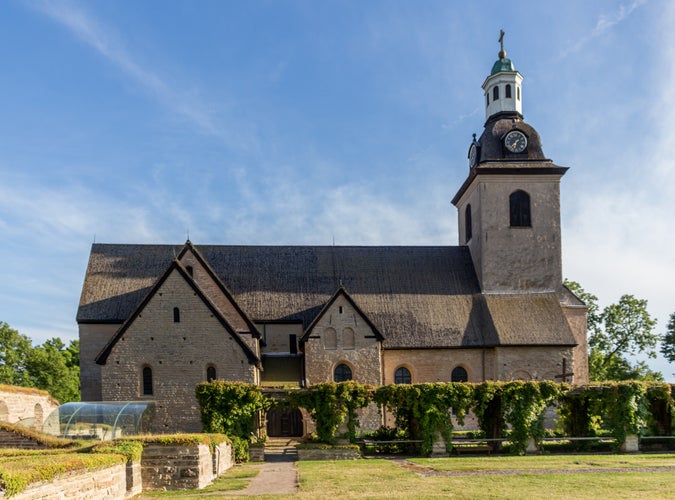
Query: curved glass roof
[(101, 420)]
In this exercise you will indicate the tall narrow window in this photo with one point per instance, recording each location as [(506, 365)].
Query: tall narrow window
[(402, 376), (176, 315), (495, 93), (507, 91), (519, 207), (459, 375), (189, 270), (210, 373), (293, 341), (487, 98), (467, 223), (342, 373), (518, 93), (147, 381)]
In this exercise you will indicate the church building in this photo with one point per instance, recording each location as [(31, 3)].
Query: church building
[(156, 320)]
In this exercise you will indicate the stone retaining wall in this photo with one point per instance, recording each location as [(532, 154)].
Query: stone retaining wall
[(328, 454), (176, 467), (103, 484)]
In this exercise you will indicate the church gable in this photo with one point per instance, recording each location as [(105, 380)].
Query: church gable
[(177, 311), (219, 295), (342, 344)]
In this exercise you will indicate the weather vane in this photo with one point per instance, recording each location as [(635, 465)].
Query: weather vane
[(502, 52)]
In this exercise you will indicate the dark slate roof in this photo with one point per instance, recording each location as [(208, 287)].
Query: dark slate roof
[(417, 297)]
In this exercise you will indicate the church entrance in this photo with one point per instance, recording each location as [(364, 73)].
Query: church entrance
[(284, 422)]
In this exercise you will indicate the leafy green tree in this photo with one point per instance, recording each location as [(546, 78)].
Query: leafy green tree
[(14, 350), (619, 330), (54, 367), (668, 341)]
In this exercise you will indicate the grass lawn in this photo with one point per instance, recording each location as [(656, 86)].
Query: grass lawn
[(379, 478), (546, 462)]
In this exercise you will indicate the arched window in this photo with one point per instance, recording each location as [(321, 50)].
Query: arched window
[(342, 373), (487, 98), (348, 341), (495, 93), (176, 315), (402, 376), (467, 222), (330, 339), (519, 209), (147, 381), (507, 91), (459, 375), (210, 373)]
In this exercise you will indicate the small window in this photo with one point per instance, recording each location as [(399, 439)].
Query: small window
[(507, 91), (147, 381), (293, 341), (176, 315), (459, 375), (519, 208), (330, 339), (210, 373), (487, 98), (189, 270), (495, 93), (340, 309), (342, 373), (467, 223), (402, 376), (518, 93)]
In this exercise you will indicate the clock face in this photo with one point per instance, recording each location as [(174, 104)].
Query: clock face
[(472, 155), (515, 141)]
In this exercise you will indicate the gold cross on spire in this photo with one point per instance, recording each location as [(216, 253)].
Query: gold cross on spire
[(502, 52)]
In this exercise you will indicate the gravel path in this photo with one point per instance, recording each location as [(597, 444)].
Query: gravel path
[(277, 476)]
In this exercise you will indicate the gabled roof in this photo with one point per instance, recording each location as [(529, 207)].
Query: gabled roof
[(188, 247), (416, 297), (341, 292), (174, 266)]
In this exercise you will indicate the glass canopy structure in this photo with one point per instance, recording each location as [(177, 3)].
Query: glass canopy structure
[(101, 420)]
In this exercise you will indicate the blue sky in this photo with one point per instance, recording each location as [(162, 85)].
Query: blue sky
[(304, 122)]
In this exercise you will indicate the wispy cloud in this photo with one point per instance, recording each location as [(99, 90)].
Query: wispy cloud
[(604, 23), (108, 43)]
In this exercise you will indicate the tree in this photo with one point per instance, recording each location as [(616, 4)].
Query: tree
[(668, 341), (53, 367), (14, 350), (621, 329)]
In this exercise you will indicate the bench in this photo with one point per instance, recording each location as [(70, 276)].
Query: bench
[(465, 445), (374, 444)]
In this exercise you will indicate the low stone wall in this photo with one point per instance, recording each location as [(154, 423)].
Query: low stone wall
[(223, 459), (328, 453), (24, 405), (103, 484), (176, 467)]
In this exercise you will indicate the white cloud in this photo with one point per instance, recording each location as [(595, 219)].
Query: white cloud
[(604, 23), (109, 44)]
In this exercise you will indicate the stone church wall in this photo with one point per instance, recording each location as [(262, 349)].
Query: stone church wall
[(433, 365), (533, 363), (93, 338), (178, 355), (342, 337)]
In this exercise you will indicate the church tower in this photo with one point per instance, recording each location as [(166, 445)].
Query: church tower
[(509, 204)]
